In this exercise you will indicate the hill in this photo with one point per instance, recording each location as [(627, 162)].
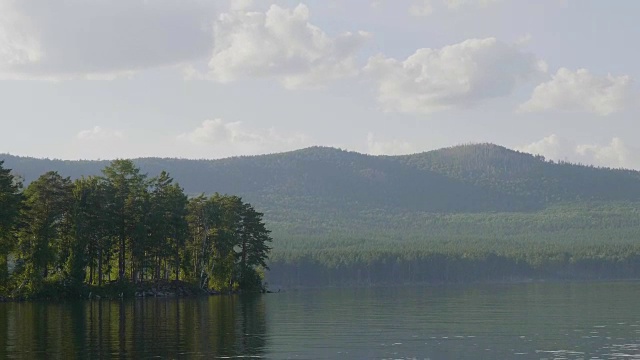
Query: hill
[(467, 178), (481, 211)]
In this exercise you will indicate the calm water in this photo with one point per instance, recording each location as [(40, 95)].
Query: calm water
[(524, 321)]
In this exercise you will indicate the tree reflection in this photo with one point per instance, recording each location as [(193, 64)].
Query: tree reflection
[(223, 326)]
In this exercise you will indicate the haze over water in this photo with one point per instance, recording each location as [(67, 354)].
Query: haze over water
[(528, 321)]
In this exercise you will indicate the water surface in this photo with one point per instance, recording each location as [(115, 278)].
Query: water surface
[(526, 321)]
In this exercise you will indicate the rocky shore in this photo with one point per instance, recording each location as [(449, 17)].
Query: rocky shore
[(173, 288)]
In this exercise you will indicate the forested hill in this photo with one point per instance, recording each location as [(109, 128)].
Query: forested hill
[(466, 178), (530, 177)]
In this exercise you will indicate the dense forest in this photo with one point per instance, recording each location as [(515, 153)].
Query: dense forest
[(61, 238), (466, 213), (466, 178)]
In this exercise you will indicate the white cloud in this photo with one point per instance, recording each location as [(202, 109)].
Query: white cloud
[(99, 133), (421, 8), (524, 40), (217, 133), (240, 5), (18, 44), (376, 4), (100, 39), (616, 154), (580, 91), (551, 147), (393, 147), (458, 75), (428, 7), (281, 43), (460, 4)]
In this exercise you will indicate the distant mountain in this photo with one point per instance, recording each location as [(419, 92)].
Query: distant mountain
[(529, 177), (466, 178), (464, 213)]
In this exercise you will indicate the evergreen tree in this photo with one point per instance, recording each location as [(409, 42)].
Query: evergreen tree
[(126, 196), (46, 225), (91, 230), (254, 248), (168, 223), (10, 200), (73, 230)]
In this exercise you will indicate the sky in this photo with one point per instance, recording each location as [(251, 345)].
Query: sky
[(205, 79)]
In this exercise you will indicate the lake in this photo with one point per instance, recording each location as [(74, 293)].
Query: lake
[(500, 321)]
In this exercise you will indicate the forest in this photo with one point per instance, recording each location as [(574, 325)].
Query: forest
[(577, 241), (476, 212), (105, 234)]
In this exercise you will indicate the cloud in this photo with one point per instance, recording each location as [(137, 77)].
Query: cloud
[(455, 76), (281, 44), (421, 8), (551, 147), (461, 4), (240, 5), (18, 45), (99, 133), (393, 147), (580, 91), (524, 40), (428, 7), (615, 154), (217, 133), (98, 38)]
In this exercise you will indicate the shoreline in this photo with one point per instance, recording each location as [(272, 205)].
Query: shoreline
[(124, 291)]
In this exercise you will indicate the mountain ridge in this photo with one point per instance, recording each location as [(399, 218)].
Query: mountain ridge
[(462, 178)]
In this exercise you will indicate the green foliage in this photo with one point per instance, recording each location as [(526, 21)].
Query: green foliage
[(126, 196), (468, 178), (45, 231), (73, 235), (10, 201), (577, 240), (228, 240), (464, 213)]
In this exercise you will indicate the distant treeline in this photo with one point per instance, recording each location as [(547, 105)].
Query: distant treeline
[(58, 235), (439, 268), (466, 213), (572, 241)]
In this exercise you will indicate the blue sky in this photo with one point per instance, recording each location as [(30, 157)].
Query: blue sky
[(88, 79)]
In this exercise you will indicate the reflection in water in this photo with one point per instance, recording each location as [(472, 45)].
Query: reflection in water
[(225, 326), (527, 321)]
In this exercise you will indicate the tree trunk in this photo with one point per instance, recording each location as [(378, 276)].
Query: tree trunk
[(4, 269), (121, 258), (100, 267), (91, 273), (177, 265)]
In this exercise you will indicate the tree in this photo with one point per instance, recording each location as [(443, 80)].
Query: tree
[(254, 248), (126, 196), (201, 220), (91, 230), (228, 240), (45, 232), (67, 231), (168, 225), (10, 200)]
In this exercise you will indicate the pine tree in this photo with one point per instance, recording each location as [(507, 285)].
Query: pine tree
[(45, 231), (126, 196), (10, 202)]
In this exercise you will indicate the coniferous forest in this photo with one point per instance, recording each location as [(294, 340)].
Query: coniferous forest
[(462, 214), (107, 234)]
